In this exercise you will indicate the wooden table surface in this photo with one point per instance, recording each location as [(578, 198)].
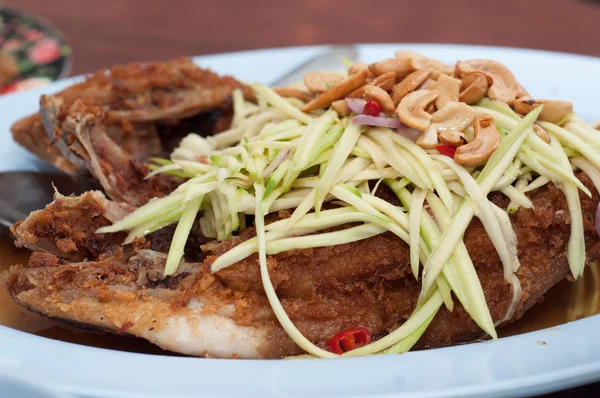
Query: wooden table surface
[(105, 32)]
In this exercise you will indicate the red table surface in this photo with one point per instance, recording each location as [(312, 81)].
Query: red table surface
[(107, 32)]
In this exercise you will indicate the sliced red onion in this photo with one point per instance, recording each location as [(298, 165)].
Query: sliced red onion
[(598, 219), (356, 105), (378, 121), (408, 132), (281, 156)]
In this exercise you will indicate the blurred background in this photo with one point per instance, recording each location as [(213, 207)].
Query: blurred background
[(102, 33)]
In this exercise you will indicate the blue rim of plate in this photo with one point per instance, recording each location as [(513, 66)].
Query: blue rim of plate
[(33, 51)]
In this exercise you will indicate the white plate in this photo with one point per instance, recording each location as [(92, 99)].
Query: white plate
[(514, 366)]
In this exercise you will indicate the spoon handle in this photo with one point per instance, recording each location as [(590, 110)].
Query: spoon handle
[(329, 60)]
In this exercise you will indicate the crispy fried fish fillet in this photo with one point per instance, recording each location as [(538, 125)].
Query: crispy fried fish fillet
[(85, 136), (324, 290), (137, 99)]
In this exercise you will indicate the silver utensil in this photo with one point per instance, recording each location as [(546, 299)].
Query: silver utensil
[(328, 60), (24, 192)]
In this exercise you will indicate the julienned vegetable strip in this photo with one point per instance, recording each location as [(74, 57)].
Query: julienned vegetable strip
[(474, 299), (576, 246), (417, 319), (416, 206), (491, 173), (430, 167), (506, 248), (280, 313), (409, 341), (181, 234), (271, 97), (341, 151), (430, 232)]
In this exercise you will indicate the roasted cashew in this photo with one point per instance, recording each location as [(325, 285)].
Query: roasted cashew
[(428, 138), (473, 88), (411, 110), (430, 108), (428, 84), (359, 66), (449, 89), (440, 68), (341, 107), (319, 82), (379, 95), (486, 140), (407, 54), (339, 91), (503, 84), (448, 123), (455, 116), (409, 84), (541, 132), (400, 66), (553, 111), (453, 137), (289, 92), (385, 81)]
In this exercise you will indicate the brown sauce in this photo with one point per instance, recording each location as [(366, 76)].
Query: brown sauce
[(567, 301)]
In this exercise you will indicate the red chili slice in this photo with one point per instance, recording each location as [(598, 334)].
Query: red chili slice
[(349, 340), (372, 108), (447, 150)]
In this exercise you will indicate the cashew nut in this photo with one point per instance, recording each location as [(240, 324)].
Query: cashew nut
[(430, 108), (473, 88), (359, 66), (341, 107), (379, 95), (440, 68), (407, 54), (449, 89), (428, 138), (419, 60), (319, 82), (521, 92), (409, 84), (541, 132), (486, 140), (428, 84), (411, 110), (449, 123), (455, 116), (339, 91), (553, 111), (453, 137), (503, 84), (385, 81), (289, 92), (400, 66)]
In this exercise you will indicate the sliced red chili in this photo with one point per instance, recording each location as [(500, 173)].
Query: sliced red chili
[(349, 340), (372, 108), (447, 150)]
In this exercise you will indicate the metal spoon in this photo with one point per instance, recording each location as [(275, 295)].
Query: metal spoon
[(23, 192)]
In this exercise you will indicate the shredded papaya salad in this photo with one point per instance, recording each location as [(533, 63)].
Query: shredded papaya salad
[(440, 137)]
